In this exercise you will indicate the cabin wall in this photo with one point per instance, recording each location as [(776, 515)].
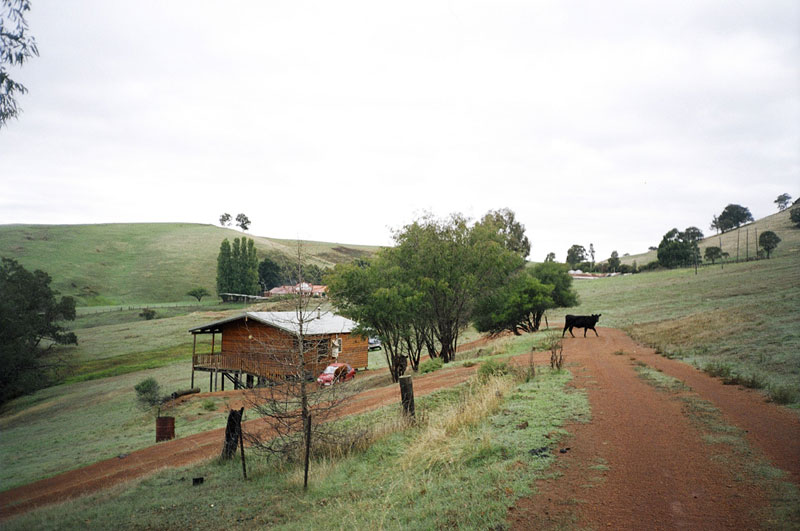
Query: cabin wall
[(268, 351)]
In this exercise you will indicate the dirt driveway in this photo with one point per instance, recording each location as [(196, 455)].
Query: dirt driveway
[(643, 463), (639, 464)]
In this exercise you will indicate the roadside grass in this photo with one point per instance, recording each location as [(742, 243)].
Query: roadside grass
[(454, 468), (744, 317), (743, 462)]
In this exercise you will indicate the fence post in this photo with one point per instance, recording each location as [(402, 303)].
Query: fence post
[(407, 395)]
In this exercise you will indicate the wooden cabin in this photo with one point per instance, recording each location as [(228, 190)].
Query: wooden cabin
[(266, 346)]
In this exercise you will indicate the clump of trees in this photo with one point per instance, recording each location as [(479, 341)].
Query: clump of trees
[(679, 249), (278, 270), (31, 324), (440, 275), (575, 255), (237, 267), (732, 217), (519, 304), (242, 221)]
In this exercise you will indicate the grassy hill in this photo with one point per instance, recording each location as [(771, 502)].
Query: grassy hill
[(141, 263), (744, 238)]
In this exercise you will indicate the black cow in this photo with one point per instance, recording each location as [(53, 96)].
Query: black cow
[(581, 321)]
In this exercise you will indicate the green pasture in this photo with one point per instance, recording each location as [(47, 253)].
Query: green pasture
[(140, 263)]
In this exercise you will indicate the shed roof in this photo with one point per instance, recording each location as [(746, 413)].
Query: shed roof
[(313, 323)]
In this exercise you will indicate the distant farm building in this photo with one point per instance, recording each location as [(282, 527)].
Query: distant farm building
[(304, 288), (266, 345)]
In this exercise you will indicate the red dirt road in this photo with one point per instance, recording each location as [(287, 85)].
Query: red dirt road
[(641, 463)]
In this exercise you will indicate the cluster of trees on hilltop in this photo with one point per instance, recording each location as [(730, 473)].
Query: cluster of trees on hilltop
[(441, 275)]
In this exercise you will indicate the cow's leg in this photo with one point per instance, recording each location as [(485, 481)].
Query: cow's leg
[(570, 332), (595, 332), (585, 330), (565, 331)]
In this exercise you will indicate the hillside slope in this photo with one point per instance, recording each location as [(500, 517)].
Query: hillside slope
[(744, 239), (130, 263)]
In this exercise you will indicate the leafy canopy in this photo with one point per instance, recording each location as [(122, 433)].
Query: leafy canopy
[(16, 47), (768, 241), (732, 217), (30, 324)]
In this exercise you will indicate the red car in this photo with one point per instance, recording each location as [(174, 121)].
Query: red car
[(336, 372)]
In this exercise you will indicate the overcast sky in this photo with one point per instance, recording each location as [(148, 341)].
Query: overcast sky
[(596, 122)]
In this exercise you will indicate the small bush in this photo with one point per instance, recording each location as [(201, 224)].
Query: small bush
[(783, 394), (148, 314), (719, 370), (430, 365), (209, 405), (491, 368), (148, 395), (468, 363)]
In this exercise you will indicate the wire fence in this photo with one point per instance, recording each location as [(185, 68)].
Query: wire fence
[(92, 310)]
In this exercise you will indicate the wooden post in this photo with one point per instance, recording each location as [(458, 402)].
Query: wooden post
[(241, 444), (308, 450), (756, 237), (210, 381), (747, 245), (407, 395), (194, 349)]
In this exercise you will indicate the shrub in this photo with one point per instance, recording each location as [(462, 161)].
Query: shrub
[(491, 368), (148, 314), (718, 369), (430, 365), (782, 394)]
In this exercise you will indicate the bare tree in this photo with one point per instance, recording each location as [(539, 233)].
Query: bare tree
[(297, 410)]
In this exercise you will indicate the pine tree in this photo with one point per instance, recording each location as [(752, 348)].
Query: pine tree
[(224, 268)]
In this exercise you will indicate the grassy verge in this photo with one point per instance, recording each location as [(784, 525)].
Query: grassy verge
[(744, 464), (461, 465)]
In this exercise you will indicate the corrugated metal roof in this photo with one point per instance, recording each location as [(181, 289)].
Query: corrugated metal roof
[(313, 323)]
